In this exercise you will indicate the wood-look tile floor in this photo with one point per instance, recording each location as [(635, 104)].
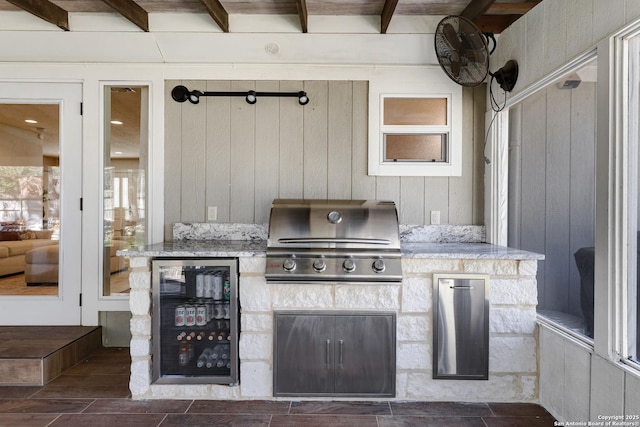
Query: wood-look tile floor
[(38, 341), (95, 393)]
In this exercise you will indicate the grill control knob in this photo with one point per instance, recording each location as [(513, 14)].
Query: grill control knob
[(319, 265), (378, 266), (289, 264), (349, 265)]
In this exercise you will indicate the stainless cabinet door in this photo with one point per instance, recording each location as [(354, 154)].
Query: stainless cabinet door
[(365, 355), (303, 354), (461, 331)]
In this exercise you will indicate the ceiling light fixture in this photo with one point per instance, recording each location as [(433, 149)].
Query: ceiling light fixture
[(182, 94)]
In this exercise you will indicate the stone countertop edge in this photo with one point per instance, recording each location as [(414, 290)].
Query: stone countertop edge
[(257, 248)]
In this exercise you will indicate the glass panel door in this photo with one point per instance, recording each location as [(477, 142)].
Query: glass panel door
[(40, 190), (125, 182)]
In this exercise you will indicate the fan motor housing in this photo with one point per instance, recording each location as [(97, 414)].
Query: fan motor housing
[(507, 76)]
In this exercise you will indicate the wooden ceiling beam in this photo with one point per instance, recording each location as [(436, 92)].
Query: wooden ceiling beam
[(510, 8), (495, 23), (44, 9), (475, 8), (387, 13), (218, 13), (303, 14), (132, 11)]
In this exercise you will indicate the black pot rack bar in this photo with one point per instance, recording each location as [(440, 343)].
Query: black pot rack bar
[(182, 94)]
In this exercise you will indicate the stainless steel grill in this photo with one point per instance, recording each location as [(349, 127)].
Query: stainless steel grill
[(313, 241)]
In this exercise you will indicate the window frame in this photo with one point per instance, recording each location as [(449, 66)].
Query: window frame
[(627, 158), (500, 152), (428, 83), (613, 225), (387, 130)]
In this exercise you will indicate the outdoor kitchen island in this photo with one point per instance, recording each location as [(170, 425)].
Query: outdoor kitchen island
[(513, 369)]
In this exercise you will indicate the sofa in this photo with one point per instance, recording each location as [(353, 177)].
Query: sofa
[(41, 263), (34, 253), (14, 246)]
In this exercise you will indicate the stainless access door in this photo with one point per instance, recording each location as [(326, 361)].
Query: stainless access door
[(334, 353), (304, 360), (365, 354), (461, 327)]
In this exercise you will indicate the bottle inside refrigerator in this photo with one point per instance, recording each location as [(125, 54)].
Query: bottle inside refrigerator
[(195, 321)]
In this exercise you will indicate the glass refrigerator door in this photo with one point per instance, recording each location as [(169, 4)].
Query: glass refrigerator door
[(195, 318)]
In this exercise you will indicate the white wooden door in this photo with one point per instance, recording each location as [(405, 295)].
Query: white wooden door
[(40, 202)]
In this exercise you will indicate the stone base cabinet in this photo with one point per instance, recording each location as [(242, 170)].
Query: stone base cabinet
[(513, 343), (334, 354)]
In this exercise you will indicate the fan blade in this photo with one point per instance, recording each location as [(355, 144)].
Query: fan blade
[(452, 36), (475, 55), (455, 68)]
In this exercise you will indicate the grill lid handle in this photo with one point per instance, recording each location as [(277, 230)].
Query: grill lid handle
[(334, 240)]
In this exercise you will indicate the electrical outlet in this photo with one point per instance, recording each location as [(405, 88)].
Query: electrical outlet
[(435, 217), (212, 213)]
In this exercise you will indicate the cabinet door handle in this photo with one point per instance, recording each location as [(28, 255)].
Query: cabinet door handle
[(340, 351), (328, 353)]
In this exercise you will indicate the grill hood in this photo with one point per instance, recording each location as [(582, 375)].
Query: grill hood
[(336, 240), (351, 224)]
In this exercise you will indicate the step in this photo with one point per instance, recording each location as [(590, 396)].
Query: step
[(35, 355)]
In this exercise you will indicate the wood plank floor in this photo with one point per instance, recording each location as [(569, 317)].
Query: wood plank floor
[(95, 393)]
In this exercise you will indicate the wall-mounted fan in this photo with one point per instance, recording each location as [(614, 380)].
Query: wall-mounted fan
[(463, 54)]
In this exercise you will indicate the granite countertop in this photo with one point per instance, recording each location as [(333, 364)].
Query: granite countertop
[(257, 248), (231, 240), (465, 251), (199, 248)]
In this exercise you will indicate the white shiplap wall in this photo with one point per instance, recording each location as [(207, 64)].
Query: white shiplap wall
[(238, 157)]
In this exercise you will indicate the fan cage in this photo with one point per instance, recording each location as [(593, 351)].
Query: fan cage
[(470, 56)]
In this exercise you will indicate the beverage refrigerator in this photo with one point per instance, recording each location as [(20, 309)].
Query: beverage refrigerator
[(195, 321)]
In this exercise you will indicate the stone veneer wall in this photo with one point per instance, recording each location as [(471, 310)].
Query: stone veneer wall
[(513, 366)]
